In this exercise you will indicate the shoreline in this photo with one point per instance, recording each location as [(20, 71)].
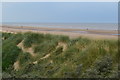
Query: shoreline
[(72, 33)]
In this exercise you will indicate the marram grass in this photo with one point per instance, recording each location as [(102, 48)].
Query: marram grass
[(59, 56)]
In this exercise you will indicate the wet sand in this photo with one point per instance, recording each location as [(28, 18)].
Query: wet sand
[(72, 33)]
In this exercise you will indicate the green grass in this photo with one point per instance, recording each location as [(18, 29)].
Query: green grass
[(45, 47), (32, 38), (83, 58), (10, 51)]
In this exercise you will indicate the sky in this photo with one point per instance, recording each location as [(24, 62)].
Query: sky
[(60, 12), (60, 0)]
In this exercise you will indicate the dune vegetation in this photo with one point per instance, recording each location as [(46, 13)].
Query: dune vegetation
[(33, 55)]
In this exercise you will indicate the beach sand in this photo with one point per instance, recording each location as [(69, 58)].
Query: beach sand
[(72, 33)]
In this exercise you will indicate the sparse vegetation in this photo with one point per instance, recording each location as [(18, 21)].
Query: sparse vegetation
[(83, 58)]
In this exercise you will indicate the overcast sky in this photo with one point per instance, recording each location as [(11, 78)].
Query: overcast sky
[(60, 12)]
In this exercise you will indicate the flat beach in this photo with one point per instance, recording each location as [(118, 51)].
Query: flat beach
[(72, 33)]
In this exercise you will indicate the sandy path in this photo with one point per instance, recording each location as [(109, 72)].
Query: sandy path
[(16, 66), (61, 44), (29, 50), (46, 56)]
